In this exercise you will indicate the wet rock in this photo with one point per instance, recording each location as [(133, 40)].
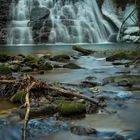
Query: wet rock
[(131, 38), (82, 50), (123, 55), (26, 69), (4, 57), (5, 70), (43, 110), (41, 72), (14, 68), (60, 58), (38, 13), (123, 80), (72, 66), (57, 66), (88, 84), (72, 108), (30, 59), (113, 38), (45, 66), (91, 108), (48, 66), (80, 130), (121, 62), (39, 127)]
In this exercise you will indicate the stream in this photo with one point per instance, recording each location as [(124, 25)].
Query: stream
[(123, 102)]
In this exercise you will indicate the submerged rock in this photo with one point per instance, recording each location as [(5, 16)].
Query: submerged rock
[(80, 130)]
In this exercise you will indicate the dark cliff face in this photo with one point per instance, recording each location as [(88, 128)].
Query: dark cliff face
[(4, 14)]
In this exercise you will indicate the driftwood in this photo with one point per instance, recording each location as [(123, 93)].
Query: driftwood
[(27, 104), (39, 86), (72, 93)]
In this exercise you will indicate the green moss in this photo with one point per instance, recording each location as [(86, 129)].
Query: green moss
[(18, 97), (31, 59), (72, 108), (48, 66), (5, 70), (45, 66), (44, 110), (3, 57), (123, 55)]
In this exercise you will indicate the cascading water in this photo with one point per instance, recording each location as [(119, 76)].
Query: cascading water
[(19, 31), (71, 22), (79, 22)]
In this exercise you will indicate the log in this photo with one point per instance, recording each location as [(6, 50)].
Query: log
[(72, 93), (8, 81)]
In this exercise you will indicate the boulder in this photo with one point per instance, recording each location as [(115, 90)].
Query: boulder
[(72, 66), (72, 108), (60, 58), (26, 69), (81, 130), (38, 13)]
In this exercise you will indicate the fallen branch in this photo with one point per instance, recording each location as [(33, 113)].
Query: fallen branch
[(8, 81), (27, 103), (72, 93), (40, 86)]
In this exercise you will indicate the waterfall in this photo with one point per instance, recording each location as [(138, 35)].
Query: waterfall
[(71, 21), (76, 22), (19, 31)]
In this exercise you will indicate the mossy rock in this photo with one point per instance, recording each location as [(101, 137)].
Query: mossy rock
[(45, 66), (18, 97), (4, 57), (5, 70), (44, 110), (72, 108), (60, 58), (48, 66), (31, 59), (14, 68), (123, 80), (82, 50), (19, 58), (123, 55)]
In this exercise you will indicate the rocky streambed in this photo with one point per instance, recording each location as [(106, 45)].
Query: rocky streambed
[(111, 78)]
